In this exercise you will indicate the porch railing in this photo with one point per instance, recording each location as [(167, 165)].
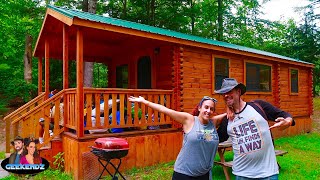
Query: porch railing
[(105, 108), (110, 108)]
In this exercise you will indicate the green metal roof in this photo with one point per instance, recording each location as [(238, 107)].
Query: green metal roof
[(155, 30)]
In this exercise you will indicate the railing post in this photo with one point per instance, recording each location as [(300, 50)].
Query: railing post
[(8, 135)]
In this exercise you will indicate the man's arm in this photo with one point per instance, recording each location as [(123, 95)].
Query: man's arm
[(282, 118)]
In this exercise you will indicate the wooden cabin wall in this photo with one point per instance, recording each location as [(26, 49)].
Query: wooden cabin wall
[(144, 150), (164, 68), (198, 78), (161, 63)]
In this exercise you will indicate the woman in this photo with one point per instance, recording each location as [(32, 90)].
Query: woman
[(30, 154), (200, 141)]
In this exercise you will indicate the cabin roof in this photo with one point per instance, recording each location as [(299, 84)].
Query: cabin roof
[(70, 13)]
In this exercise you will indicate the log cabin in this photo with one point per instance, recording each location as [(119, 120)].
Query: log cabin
[(167, 67)]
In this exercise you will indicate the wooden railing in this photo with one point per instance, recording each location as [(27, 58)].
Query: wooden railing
[(117, 112), (12, 132), (29, 126)]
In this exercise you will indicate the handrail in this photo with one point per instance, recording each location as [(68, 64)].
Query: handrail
[(34, 102), (25, 106), (43, 104), (32, 112)]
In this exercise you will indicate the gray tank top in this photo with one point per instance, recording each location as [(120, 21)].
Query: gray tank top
[(199, 148)]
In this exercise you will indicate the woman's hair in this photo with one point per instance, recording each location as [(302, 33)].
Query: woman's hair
[(195, 111), (36, 156)]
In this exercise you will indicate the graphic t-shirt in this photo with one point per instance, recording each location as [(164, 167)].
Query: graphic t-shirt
[(254, 155), (198, 150)]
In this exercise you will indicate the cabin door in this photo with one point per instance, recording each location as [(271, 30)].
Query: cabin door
[(144, 73)]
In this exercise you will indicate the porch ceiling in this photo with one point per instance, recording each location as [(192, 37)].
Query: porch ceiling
[(99, 45)]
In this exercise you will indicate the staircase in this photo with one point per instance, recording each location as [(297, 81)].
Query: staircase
[(25, 121)]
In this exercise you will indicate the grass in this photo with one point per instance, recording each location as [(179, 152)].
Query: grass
[(302, 161), (2, 155)]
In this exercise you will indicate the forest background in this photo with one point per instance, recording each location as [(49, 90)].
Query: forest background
[(233, 21)]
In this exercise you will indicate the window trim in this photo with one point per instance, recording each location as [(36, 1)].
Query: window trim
[(290, 92), (245, 76), (213, 70)]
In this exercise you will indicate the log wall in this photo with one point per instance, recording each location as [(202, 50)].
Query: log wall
[(197, 81)]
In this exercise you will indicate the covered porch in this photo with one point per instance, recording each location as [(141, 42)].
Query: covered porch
[(138, 64)]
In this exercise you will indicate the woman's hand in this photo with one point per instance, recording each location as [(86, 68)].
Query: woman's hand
[(230, 113), (136, 99)]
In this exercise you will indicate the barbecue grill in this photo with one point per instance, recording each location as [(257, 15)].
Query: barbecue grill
[(110, 148)]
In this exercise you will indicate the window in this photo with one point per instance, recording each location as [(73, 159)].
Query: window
[(258, 77), (221, 71), (122, 76), (294, 80)]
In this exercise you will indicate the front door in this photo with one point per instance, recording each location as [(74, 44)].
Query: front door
[(144, 73)]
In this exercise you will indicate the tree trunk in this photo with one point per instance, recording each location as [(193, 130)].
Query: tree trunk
[(85, 5), (220, 21), (90, 6), (124, 10), (153, 9), (27, 58)]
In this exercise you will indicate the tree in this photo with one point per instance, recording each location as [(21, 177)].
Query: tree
[(90, 6), (18, 18), (28, 59)]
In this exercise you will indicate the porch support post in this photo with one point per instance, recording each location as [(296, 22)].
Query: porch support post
[(39, 75), (65, 57), (80, 93), (47, 67), (65, 71)]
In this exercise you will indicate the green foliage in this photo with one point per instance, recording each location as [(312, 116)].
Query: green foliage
[(139, 112), (2, 155), (18, 18), (100, 75), (59, 161), (241, 25)]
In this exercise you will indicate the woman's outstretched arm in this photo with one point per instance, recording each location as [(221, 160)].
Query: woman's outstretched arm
[(181, 117)]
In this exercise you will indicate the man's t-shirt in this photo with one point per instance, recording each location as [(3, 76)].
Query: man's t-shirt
[(254, 155)]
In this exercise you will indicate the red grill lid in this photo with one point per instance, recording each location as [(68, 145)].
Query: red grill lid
[(111, 143)]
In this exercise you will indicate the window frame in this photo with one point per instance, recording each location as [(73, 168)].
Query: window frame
[(245, 76), (290, 91), (213, 57)]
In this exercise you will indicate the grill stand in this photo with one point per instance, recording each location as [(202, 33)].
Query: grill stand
[(114, 177)]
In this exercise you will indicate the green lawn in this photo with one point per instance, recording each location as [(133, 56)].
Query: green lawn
[(301, 162)]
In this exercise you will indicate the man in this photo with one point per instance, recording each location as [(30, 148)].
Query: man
[(254, 155), (18, 146)]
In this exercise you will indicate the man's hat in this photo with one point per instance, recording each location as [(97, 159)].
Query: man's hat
[(17, 138), (230, 83)]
